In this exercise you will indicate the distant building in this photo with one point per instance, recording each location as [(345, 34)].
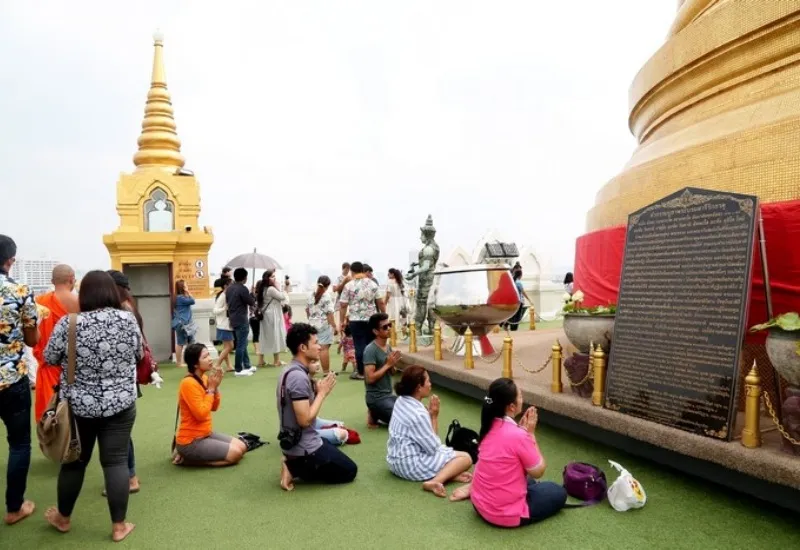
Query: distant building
[(37, 274)]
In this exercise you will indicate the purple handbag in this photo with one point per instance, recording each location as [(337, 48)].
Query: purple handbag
[(585, 482)]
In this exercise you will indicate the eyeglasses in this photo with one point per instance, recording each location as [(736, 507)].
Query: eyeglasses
[(385, 327)]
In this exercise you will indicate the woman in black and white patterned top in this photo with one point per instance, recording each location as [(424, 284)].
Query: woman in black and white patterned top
[(103, 398)]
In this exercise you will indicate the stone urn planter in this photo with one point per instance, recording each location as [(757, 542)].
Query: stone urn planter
[(783, 351), (583, 329)]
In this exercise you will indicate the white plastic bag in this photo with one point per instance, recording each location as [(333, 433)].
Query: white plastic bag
[(625, 493)]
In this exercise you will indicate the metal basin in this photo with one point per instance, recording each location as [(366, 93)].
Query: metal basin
[(477, 296)]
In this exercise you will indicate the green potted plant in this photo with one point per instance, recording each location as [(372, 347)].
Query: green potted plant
[(584, 325), (783, 345)]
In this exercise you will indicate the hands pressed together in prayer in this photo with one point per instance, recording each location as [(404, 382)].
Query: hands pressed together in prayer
[(326, 384), (529, 420), (433, 406)]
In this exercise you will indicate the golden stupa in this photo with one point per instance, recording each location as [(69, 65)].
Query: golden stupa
[(717, 107), (159, 202)]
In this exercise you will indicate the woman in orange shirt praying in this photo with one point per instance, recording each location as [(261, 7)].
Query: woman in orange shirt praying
[(198, 396)]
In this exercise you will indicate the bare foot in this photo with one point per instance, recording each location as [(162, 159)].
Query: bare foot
[(177, 459), (287, 482), (466, 477), (371, 424), (54, 518), (25, 510), (436, 488), (462, 493), (121, 530)]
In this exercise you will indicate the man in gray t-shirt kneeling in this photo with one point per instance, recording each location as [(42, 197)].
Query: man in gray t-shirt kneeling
[(379, 366), (305, 454)]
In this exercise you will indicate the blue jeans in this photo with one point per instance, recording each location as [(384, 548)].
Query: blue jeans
[(15, 411), (326, 465), (327, 434), (242, 357), (545, 499)]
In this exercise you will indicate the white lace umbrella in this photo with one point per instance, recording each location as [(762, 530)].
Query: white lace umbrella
[(253, 260)]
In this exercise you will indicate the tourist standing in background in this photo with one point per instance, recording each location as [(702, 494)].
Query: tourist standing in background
[(224, 329), (239, 301), (568, 282), (273, 324), (18, 316), (103, 397), (182, 322), (255, 325), (60, 301), (360, 301), (319, 311), (513, 323), (396, 303), (341, 280)]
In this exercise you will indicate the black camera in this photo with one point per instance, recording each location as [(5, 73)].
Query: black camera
[(289, 437)]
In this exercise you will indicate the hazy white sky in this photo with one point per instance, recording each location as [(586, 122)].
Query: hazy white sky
[(324, 131)]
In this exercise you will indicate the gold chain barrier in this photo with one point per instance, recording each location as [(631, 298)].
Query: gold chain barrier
[(751, 433), (780, 427)]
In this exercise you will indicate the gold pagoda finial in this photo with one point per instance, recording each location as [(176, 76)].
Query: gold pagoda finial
[(158, 143)]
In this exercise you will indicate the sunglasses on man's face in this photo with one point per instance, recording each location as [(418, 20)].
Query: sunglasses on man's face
[(385, 327)]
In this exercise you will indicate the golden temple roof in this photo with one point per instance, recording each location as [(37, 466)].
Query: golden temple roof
[(159, 145)]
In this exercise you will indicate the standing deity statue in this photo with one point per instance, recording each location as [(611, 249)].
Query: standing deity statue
[(426, 266)]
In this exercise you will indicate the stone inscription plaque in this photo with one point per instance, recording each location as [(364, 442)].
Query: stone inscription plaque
[(682, 311)]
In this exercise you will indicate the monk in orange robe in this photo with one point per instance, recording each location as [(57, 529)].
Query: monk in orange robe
[(60, 302)]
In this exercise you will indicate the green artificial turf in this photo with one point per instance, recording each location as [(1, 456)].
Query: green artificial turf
[(243, 506)]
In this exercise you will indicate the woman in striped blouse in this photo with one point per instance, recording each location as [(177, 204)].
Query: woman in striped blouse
[(415, 451)]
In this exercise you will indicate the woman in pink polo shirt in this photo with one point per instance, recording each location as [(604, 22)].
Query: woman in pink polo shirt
[(504, 489)]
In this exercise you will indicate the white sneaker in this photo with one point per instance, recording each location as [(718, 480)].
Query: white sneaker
[(243, 373), (251, 370)]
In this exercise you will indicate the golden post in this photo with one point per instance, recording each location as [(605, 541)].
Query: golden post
[(469, 363), (532, 319), (508, 353), (437, 341), (393, 335), (412, 337), (751, 434), (599, 376), (557, 386)]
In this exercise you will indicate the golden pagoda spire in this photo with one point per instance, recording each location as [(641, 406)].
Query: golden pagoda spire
[(159, 145)]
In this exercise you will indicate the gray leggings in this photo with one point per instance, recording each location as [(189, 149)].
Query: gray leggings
[(112, 434)]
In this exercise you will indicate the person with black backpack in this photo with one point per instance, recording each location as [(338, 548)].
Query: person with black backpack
[(415, 451)]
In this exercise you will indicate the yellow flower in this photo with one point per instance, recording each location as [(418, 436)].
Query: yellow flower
[(42, 311), (22, 291), (15, 346), (22, 367), (5, 328)]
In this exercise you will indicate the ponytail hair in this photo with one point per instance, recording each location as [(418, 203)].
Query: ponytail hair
[(322, 285), (502, 393)]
